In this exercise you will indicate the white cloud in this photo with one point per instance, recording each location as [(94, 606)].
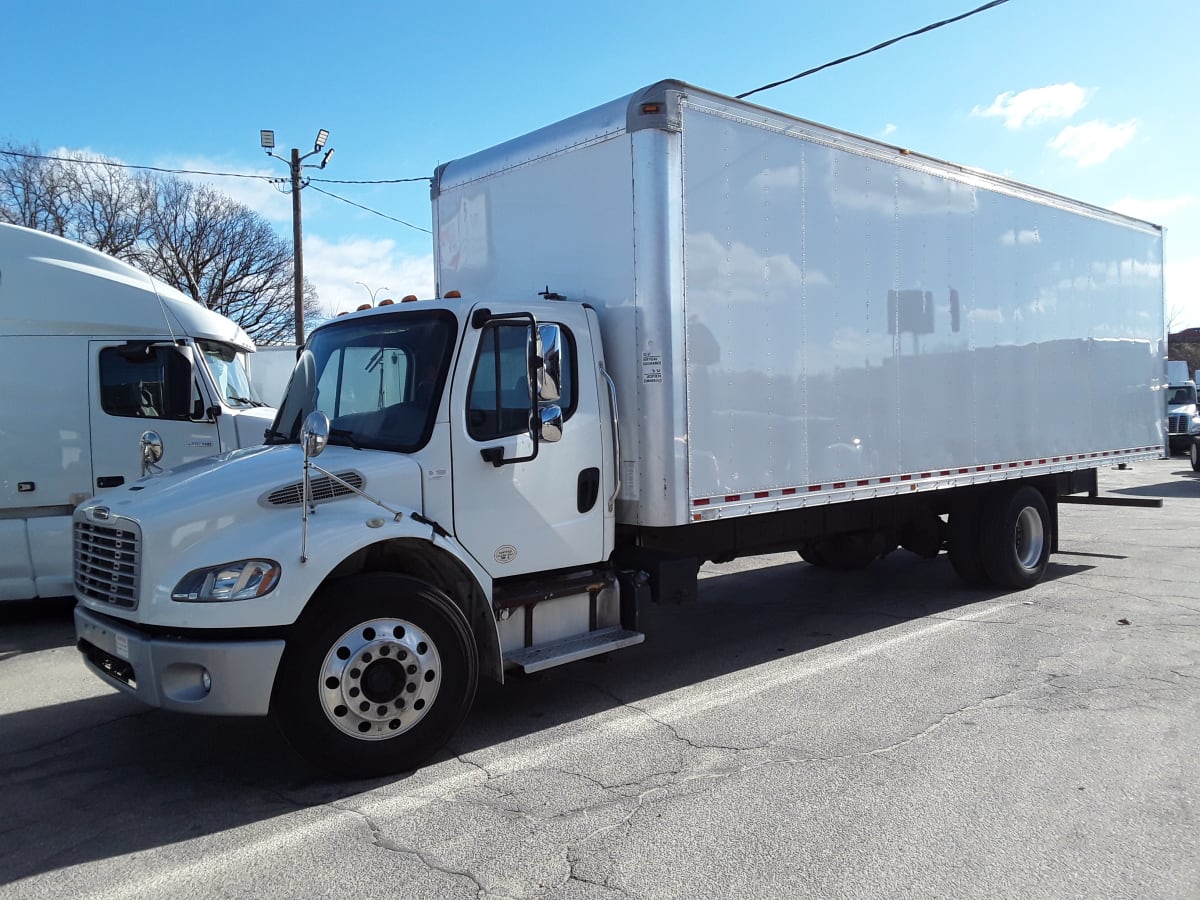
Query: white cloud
[(1037, 105), (340, 269), (1093, 142), (1181, 278), (888, 130), (1157, 211)]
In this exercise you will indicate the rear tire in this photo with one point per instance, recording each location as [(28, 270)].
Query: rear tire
[(378, 678), (962, 546), (1015, 537)]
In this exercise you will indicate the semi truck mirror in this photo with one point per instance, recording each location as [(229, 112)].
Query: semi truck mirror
[(315, 433), (179, 379), (549, 379)]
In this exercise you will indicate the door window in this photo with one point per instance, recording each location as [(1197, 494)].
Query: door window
[(148, 382), (499, 401)]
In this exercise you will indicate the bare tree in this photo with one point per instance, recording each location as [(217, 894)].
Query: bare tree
[(33, 192), (226, 256), (217, 251)]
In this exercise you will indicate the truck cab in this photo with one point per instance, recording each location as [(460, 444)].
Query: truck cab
[(112, 375), (1183, 416)]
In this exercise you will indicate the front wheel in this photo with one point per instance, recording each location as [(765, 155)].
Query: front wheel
[(379, 677), (1194, 456)]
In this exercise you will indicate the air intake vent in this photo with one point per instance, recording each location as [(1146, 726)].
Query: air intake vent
[(323, 488)]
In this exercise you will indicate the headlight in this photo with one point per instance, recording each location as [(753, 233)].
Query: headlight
[(241, 580), (1194, 428)]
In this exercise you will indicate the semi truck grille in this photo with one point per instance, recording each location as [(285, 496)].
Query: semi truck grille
[(323, 488), (1177, 423), (107, 561)]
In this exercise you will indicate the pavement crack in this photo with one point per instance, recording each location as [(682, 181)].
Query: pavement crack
[(381, 840)]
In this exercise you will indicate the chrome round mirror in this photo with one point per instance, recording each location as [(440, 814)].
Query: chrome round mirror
[(315, 433), (151, 448)]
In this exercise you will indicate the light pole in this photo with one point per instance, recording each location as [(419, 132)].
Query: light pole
[(373, 293), (296, 164)]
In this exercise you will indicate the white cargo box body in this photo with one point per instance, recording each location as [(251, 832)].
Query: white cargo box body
[(796, 315)]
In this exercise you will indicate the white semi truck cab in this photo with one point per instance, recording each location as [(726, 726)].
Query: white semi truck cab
[(691, 329), (108, 373)]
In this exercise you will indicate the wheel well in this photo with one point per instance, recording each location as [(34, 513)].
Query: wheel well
[(422, 560)]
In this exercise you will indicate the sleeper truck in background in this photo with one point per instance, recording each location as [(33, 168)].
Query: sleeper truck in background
[(674, 328), (96, 355)]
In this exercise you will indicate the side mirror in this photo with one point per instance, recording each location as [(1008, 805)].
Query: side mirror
[(550, 423), (549, 376), (314, 434), (151, 447)]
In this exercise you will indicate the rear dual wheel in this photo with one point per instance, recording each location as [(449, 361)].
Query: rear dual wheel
[(1004, 541)]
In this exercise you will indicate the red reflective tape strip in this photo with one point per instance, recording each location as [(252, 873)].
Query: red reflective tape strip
[(814, 487), (758, 495), (863, 483), (788, 491), (701, 502), (732, 498)]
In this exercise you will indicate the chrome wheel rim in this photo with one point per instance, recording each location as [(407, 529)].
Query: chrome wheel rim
[(1029, 538), (380, 679)]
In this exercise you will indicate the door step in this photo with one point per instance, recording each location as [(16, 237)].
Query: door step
[(567, 650)]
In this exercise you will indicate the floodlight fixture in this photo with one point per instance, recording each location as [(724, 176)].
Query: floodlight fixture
[(266, 139), (327, 157), (322, 137)]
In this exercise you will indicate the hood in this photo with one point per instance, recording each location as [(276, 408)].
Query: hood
[(219, 491)]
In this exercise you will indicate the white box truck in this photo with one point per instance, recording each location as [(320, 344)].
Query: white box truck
[(674, 328), (94, 355)]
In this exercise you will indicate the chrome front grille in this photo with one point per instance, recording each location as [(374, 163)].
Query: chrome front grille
[(107, 561), (323, 488)]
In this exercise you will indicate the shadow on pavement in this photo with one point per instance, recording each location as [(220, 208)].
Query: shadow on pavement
[(140, 778)]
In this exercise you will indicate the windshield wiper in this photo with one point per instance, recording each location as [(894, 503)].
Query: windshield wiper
[(271, 436), (347, 435), (247, 401)]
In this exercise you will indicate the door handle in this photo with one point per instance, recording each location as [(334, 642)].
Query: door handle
[(110, 481)]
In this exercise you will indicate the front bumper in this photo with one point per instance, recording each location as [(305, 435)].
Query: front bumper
[(216, 678)]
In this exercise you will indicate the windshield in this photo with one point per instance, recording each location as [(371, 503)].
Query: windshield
[(378, 380), (227, 365), (1180, 394)]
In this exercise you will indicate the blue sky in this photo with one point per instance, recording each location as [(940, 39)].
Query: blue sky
[(1094, 99)]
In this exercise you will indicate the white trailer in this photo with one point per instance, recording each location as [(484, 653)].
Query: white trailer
[(753, 333), (94, 354)]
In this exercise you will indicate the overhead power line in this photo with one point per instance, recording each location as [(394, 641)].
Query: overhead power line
[(368, 209), (888, 43), (118, 165)]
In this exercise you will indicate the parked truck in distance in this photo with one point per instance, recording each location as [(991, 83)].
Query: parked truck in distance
[(689, 328), (1183, 414), (94, 355)]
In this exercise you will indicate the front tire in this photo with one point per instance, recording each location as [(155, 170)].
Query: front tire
[(1194, 455), (378, 678), (1015, 537)]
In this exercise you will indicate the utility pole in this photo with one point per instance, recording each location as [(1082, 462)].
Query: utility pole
[(296, 166)]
